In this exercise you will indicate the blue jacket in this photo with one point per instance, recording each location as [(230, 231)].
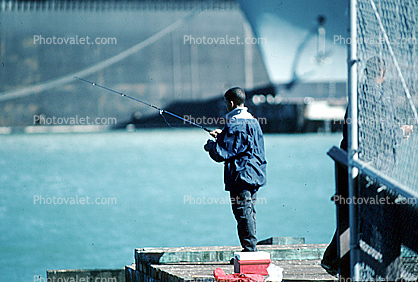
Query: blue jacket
[(241, 147)]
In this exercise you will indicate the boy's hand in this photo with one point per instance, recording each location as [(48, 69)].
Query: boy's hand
[(407, 130), (214, 133)]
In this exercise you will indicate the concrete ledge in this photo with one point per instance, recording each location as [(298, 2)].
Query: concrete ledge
[(131, 274), (294, 270), (301, 262), (87, 275), (224, 254)]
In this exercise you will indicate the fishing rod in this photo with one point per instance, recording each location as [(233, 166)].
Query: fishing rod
[(145, 103)]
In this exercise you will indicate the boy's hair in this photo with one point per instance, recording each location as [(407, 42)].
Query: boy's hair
[(236, 95), (374, 67)]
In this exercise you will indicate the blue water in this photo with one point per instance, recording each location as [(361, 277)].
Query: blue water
[(154, 188)]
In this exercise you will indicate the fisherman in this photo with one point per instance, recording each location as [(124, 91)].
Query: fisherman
[(378, 126), (240, 145)]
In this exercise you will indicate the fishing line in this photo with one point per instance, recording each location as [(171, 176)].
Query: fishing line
[(145, 103), (161, 114)]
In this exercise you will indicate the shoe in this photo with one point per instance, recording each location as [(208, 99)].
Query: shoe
[(329, 268)]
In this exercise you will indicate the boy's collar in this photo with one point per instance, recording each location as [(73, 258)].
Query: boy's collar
[(236, 111)]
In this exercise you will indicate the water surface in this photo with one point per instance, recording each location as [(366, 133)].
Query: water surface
[(151, 188)]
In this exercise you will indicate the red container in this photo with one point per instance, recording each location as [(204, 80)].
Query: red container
[(252, 262)]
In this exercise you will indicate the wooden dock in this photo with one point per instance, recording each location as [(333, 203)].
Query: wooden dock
[(301, 262)]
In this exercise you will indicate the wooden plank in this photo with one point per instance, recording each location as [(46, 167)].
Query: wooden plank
[(294, 270), (225, 253), (338, 155)]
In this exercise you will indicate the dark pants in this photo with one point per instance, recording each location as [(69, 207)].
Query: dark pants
[(244, 211), (332, 257)]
